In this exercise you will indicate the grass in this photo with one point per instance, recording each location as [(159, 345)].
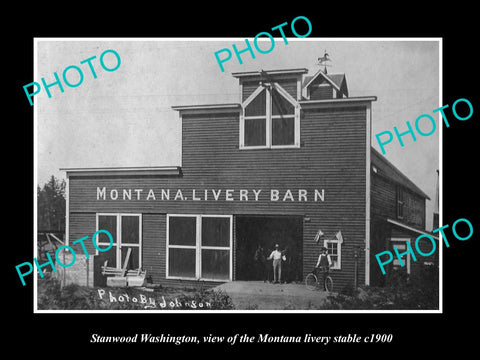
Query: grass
[(417, 292), (51, 296)]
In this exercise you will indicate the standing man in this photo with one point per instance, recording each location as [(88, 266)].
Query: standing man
[(323, 264), (276, 255)]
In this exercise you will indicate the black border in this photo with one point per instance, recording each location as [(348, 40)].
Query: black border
[(413, 333)]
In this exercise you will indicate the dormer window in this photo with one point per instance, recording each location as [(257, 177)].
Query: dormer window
[(255, 115), (283, 120), (270, 119)]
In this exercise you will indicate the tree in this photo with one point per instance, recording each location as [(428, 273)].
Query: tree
[(51, 205)]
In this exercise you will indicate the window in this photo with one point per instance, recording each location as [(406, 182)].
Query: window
[(413, 210), (270, 119), (127, 235), (199, 247), (334, 250), (401, 247), (258, 106), (400, 202), (256, 121), (182, 233), (255, 132)]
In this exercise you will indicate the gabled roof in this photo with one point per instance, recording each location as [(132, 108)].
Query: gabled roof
[(338, 81), (341, 82), (386, 169)]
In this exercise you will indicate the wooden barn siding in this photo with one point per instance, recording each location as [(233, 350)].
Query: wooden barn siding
[(81, 225), (290, 85), (154, 245), (234, 249), (332, 157), (380, 232), (401, 233), (383, 197), (383, 206), (248, 87), (384, 202), (425, 246), (416, 215), (334, 143), (321, 93)]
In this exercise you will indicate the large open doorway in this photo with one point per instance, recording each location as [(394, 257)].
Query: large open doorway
[(252, 231)]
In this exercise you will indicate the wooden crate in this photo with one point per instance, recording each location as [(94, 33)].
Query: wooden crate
[(135, 280), (117, 281)]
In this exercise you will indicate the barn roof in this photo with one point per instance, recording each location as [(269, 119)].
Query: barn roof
[(338, 81)]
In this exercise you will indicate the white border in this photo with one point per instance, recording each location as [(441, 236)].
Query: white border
[(440, 161), (35, 182), (312, 39)]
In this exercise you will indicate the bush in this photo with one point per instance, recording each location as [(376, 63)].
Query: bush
[(218, 300), (347, 290), (417, 292)]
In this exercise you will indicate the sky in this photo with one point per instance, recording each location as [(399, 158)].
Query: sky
[(124, 118)]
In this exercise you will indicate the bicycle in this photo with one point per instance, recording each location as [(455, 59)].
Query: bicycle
[(312, 282)]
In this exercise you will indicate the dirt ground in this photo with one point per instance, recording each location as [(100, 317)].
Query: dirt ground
[(257, 295)]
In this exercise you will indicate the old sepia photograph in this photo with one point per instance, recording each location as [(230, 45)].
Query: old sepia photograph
[(266, 174)]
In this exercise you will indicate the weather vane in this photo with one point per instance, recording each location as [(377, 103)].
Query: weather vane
[(322, 61), (265, 79)]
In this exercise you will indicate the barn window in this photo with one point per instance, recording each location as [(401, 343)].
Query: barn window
[(126, 232), (283, 120), (199, 247), (334, 249), (255, 125), (270, 119), (109, 223), (182, 232), (255, 132), (283, 131)]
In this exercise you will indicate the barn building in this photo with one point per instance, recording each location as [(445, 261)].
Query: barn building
[(290, 163)]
